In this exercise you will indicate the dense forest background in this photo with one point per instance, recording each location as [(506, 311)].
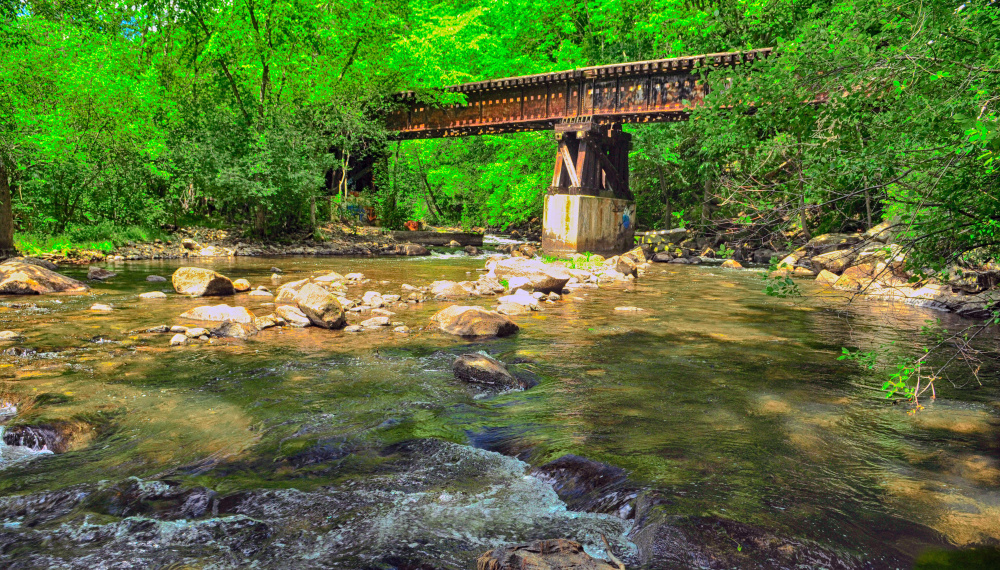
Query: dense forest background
[(117, 115)]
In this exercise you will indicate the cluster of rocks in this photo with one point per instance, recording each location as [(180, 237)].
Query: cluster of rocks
[(32, 276), (871, 264)]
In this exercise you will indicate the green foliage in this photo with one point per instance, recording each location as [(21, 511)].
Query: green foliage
[(778, 285), (103, 237), (723, 251)]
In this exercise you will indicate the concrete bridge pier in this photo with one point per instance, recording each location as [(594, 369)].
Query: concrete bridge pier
[(589, 206)]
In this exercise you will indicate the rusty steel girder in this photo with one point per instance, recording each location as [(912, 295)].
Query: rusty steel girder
[(636, 92)]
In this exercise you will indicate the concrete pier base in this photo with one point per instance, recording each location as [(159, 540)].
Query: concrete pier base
[(577, 224)]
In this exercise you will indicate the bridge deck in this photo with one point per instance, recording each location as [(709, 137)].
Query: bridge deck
[(635, 92)]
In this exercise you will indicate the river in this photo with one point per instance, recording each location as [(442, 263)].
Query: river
[(731, 434)]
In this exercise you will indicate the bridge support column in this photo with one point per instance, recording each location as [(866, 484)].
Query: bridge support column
[(589, 206)]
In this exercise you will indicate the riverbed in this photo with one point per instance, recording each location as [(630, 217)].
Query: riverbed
[(735, 436)]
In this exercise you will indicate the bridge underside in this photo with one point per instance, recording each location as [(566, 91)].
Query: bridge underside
[(589, 204)]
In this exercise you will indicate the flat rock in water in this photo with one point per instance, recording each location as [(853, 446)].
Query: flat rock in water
[(100, 307), (375, 322), (219, 313), (483, 369), (9, 335), (474, 322), (201, 282), (513, 309), (543, 277), (629, 309), (21, 278), (354, 328), (153, 295), (259, 293), (552, 554), (43, 263), (156, 279)]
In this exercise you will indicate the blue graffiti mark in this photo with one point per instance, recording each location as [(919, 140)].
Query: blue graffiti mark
[(625, 220)]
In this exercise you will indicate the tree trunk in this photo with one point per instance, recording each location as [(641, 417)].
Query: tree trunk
[(668, 211), (260, 220), (705, 204), (312, 213), (6, 215)]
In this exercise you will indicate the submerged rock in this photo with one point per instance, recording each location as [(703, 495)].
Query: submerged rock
[(20, 278), (474, 322), (482, 369), (551, 554), (156, 279), (201, 282), (99, 273), (101, 308)]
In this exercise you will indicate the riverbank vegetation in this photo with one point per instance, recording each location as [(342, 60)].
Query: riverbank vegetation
[(246, 113)]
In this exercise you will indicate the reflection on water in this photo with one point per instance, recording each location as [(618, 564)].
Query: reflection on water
[(718, 401)]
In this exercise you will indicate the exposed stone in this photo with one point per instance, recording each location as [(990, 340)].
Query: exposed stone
[(827, 278), (626, 266), (320, 306), (375, 322), (483, 369), (731, 264), (354, 328), (629, 309), (260, 293), (99, 273), (372, 299), (201, 282), (401, 329), (178, 339), (178, 329), (880, 232), (830, 242), (332, 277), (662, 257), (43, 263), (488, 284), (219, 313), (230, 329), (520, 297), (412, 249), (637, 255), (190, 244), (355, 276), (9, 336), (513, 309), (552, 554), (543, 277), (293, 316), (390, 298), (288, 291), (153, 295), (196, 332), (471, 250), (100, 307), (158, 329), (834, 261), (474, 322), (268, 321), (21, 278), (449, 290), (241, 285)]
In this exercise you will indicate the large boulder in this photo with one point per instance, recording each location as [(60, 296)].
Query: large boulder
[(201, 282), (482, 369), (474, 322), (545, 278), (230, 329), (44, 263), (22, 278), (552, 554), (320, 306), (827, 278), (219, 313)]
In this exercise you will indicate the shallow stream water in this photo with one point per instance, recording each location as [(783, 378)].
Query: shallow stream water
[(732, 435)]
